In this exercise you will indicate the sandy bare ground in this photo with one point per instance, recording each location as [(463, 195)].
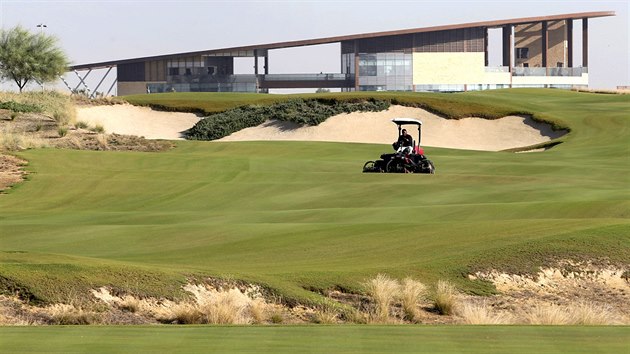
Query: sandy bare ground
[(140, 121), (358, 127)]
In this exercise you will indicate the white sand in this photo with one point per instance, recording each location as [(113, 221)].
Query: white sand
[(140, 121), (366, 127)]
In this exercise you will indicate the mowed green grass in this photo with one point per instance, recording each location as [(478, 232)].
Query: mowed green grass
[(315, 339), (300, 216)]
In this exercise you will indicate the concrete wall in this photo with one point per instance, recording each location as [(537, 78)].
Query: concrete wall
[(551, 80), (454, 69), (131, 88)]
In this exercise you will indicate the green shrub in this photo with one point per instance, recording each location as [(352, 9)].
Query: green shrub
[(98, 128), (81, 125), (19, 107), (301, 111), (62, 131)]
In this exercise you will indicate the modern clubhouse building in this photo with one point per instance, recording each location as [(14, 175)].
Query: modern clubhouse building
[(535, 51)]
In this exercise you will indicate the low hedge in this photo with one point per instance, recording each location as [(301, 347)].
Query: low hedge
[(301, 111), (19, 107)]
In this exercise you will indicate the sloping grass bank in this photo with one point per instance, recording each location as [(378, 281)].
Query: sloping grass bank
[(299, 217)]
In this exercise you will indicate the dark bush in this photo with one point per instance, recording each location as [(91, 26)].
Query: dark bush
[(306, 112), (19, 107)]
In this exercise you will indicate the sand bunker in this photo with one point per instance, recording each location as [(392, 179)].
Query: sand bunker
[(360, 127), (140, 121), (376, 127)]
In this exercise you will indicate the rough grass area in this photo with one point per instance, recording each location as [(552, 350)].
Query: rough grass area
[(51, 103)]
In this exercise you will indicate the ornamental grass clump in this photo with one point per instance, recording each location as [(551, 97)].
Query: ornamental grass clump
[(480, 314), (444, 297), (549, 314), (383, 291), (591, 314), (412, 293)]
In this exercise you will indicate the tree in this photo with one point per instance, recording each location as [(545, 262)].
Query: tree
[(26, 57)]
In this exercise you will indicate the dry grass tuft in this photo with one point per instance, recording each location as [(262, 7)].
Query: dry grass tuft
[(549, 314), (326, 315), (101, 140), (129, 303), (588, 313), (14, 140), (480, 314), (445, 297), (225, 307), (64, 314), (258, 309), (412, 292), (383, 291)]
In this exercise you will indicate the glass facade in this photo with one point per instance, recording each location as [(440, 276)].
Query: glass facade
[(386, 63), (223, 83), (385, 72)]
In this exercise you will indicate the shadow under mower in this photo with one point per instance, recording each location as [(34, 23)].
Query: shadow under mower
[(406, 159)]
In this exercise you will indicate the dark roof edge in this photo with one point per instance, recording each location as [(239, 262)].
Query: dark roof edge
[(327, 40)]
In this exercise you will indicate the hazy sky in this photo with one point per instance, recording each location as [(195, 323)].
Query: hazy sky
[(93, 31)]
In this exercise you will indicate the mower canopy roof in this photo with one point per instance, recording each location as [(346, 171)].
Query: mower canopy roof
[(403, 121)]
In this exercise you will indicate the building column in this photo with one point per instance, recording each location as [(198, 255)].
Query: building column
[(256, 62), (585, 42), (266, 64), (485, 47), (569, 43), (545, 40), (507, 46), (356, 65)]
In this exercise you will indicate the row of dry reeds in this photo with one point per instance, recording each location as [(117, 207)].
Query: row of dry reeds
[(392, 301)]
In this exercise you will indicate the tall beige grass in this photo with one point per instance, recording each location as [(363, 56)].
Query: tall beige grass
[(589, 313), (326, 315), (547, 314), (225, 307), (211, 306), (445, 297), (580, 313), (480, 314), (65, 314), (54, 104), (383, 291), (412, 293), (16, 140)]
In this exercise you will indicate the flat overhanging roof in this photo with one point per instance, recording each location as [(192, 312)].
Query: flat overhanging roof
[(327, 40)]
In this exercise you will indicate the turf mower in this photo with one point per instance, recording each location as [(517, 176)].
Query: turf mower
[(409, 156)]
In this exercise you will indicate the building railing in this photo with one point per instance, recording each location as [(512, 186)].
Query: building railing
[(307, 77), (497, 69), (520, 71)]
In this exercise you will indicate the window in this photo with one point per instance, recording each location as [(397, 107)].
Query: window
[(522, 53), (173, 71), (188, 71)]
